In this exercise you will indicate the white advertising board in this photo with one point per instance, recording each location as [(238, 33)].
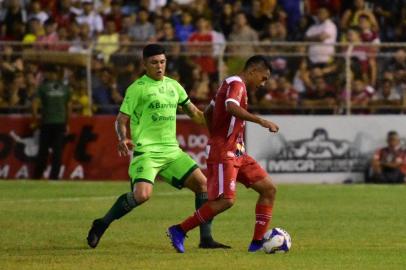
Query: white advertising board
[(321, 149)]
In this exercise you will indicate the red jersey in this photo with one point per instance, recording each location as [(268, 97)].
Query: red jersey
[(226, 131)]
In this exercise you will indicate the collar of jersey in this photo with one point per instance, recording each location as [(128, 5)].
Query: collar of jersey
[(150, 80)]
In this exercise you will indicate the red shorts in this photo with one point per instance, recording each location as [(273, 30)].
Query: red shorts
[(222, 176)]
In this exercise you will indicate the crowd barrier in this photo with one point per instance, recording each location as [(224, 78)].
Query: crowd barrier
[(90, 150), (308, 149)]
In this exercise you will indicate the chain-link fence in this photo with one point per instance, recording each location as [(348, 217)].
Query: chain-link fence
[(307, 78)]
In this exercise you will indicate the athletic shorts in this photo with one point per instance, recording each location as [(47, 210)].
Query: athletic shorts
[(173, 167), (222, 176)]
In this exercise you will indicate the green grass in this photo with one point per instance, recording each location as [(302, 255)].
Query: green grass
[(43, 225)]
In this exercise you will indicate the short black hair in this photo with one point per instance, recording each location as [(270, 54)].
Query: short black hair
[(152, 49), (257, 60), (392, 133)]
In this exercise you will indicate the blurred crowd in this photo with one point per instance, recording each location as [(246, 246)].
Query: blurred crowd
[(313, 78)]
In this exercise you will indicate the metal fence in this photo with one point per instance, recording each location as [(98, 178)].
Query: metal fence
[(307, 78)]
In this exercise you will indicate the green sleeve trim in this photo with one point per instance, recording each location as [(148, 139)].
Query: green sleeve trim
[(184, 102), (124, 113)]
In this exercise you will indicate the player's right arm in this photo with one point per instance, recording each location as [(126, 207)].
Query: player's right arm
[(235, 110), (125, 144)]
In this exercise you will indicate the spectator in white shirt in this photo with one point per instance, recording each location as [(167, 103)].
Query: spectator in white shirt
[(324, 31), (90, 17)]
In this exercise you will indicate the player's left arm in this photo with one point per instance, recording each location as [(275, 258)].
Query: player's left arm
[(208, 114), (194, 113)]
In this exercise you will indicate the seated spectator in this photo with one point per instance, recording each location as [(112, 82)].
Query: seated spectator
[(80, 98), (200, 92), (387, 16), (81, 43), (385, 97), (127, 64), (363, 62), (106, 96), (91, 18), (37, 13), (35, 30), (387, 94), (64, 14), (361, 95), (274, 31), (397, 66), (14, 16), (173, 49), (278, 93), (144, 29), (321, 98), (49, 40), (257, 18), (388, 163), (225, 20), (242, 33), (107, 43), (185, 29), (351, 16), (204, 58)]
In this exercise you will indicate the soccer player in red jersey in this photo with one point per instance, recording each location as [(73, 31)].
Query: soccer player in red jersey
[(227, 161)]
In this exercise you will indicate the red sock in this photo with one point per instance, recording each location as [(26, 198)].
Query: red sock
[(202, 215), (263, 215)]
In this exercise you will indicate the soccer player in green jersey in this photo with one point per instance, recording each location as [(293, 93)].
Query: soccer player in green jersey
[(149, 107)]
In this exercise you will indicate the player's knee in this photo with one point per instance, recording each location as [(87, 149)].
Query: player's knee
[(142, 196), (227, 203), (271, 191), (198, 184)]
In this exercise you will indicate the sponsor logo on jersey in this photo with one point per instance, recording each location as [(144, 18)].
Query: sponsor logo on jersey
[(157, 105), (156, 117), (232, 185), (171, 93)]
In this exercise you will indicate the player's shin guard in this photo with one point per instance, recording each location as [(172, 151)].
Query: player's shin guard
[(205, 229), (263, 214), (124, 204)]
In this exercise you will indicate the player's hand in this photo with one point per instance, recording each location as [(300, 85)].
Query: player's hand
[(124, 147), (269, 125)]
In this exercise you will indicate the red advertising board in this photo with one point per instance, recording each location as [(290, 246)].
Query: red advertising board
[(90, 150)]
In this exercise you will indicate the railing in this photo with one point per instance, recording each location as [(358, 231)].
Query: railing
[(101, 72)]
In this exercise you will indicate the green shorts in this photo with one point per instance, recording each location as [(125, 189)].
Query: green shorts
[(172, 167)]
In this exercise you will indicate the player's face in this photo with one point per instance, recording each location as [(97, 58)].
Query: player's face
[(393, 141), (155, 66), (259, 76)]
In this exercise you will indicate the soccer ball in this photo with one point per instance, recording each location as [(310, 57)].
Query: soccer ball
[(277, 240)]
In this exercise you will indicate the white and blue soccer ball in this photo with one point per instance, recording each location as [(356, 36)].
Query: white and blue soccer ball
[(277, 240)]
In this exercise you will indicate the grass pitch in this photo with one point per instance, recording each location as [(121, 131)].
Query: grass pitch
[(43, 225)]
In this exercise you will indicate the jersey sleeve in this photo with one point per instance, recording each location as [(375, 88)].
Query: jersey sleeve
[(235, 92), (183, 97), (130, 101)]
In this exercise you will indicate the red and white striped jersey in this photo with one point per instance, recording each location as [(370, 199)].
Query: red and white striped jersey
[(227, 131)]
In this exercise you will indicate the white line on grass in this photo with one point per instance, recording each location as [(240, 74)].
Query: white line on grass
[(94, 198)]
